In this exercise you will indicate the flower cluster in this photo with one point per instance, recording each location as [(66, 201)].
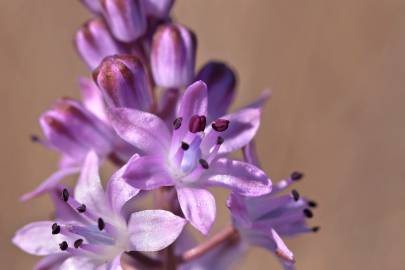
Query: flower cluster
[(168, 131)]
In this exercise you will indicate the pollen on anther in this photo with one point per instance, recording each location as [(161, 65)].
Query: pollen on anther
[(220, 125), (308, 213), (177, 123), (78, 243), (312, 204), (55, 228), (81, 208), (295, 195), (65, 195), (64, 245), (101, 224), (184, 146), (204, 163), (295, 176)]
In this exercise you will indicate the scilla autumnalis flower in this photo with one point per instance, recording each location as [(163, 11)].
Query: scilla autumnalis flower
[(190, 156), (92, 230)]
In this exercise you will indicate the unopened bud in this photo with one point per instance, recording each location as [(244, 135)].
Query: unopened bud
[(126, 18), (158, 8), (92, 5), (221, 82), (124, 83), (94, 42), (173, 56)]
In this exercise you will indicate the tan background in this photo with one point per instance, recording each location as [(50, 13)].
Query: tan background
[(337, 69)]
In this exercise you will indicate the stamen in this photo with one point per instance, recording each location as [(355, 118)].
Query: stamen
[(295, 176), (220, 125), (34, 138), (204, 163), (63, 246), (81, 208), (312, 204), (308, 213), (184, 146), (295, 195), (78, 243), (55, 228), (101, 224), (197, 123), (177, 123), (65, 195), (220, 140), (316, 229)]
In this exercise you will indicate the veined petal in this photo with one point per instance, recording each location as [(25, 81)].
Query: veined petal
[(50, 183), (154, 230), (51, 262), (79, 262), (198, 206), (239, 176), (118, 190), (36, 239), (147, 173), (243, 126), (144, 130), (89, 190)]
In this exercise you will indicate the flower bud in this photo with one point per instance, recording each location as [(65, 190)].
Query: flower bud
[(73, 130), (173, 56), (93, 5), (126, 18), (94, 42), (124, 82), (158, 8), (221, 82)]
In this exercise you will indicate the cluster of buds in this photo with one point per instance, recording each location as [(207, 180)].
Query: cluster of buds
[(168, 131)]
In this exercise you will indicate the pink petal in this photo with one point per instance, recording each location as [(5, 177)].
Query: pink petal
[(239, 176), (79, 262), (51, 262), (154, 230), (198, 206), (92, 98), (145, 131), (147, 173)]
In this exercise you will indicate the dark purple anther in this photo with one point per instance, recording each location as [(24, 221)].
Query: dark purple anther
[(316, 229), (65, 195), (308, 213), (204, 163), (55, 228), (295, 195), (220, 125), (312, 204), (81, 208), (220, 140), (101, 224), (63, 245), (197, 123), (78, 243), (177, 123), (184, 146), (295, 176)]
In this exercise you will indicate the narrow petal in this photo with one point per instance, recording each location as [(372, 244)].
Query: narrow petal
[(92, 98), (243, 126), (281, 249), (250, 154), (239, 211), (89, 190), (147, 173), (144, 130), (36, 239), (118, 190), (51, 262), (198, 206), (154, 230), (78, 262), (50, 183), (239, 176)]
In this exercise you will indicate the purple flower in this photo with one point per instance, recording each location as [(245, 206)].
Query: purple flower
[(92, 228), (73, 131), (158, 8), (173, 55), (260, 220), (190, 157)]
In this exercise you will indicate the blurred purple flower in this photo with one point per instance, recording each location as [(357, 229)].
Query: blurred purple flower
[(190, 157), (92, 229)]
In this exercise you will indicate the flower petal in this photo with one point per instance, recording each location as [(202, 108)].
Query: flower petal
[(89, 190), (118, 190), (153, 230), (79, 262), (281, 249), (51, 262), (243, 126), (198, 206), (145, 131), (239, 176), (147, 173), (115, 264), (36, 239), (250, 154), (92, 98), (50, 183)]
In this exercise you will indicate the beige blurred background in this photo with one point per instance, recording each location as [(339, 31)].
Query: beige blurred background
[(337, 71)]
